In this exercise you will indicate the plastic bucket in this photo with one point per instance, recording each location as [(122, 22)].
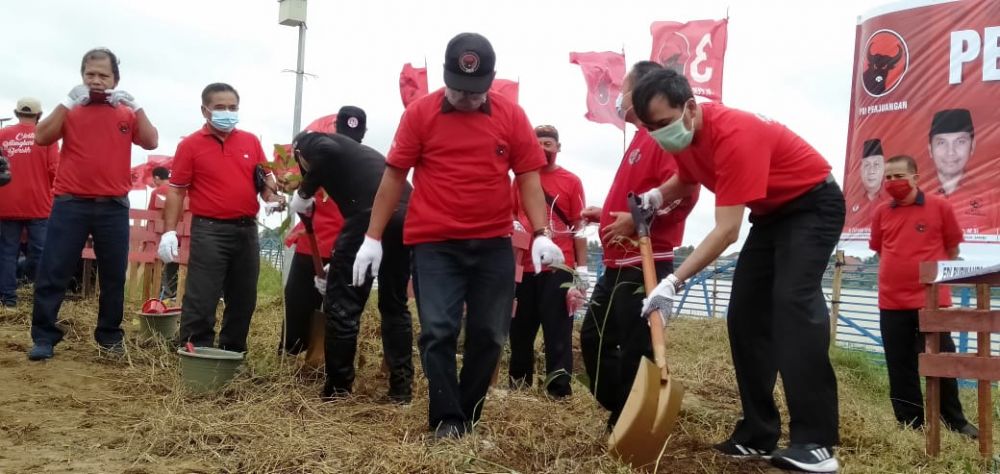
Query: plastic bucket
[(208, 369), (161, 325)]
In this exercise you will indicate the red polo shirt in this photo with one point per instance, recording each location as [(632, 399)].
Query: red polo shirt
[(33, 167), (644, 166), (327, 223), (461, 161), (904, 236), (566, 193), (96, 155), (219, 174), (749, 159)]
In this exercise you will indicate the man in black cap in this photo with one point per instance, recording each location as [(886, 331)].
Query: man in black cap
[(461, 143), (350, 174), (871, 174), (952, 142)]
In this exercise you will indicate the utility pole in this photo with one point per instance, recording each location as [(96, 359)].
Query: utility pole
[(293, 13)]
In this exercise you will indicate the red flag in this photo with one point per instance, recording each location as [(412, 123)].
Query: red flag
[(506, 88), (325, 124), (142, 175), (604, 73), (412, 83), (696, 49)]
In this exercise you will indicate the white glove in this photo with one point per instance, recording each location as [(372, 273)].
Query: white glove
[(662, 299), (79, 95), (518, 227), (124, 98), (652, 199), (168, 247), (545, 252), (301, 205), (583, 278), (321, 282), (272, 207), (369, 255)]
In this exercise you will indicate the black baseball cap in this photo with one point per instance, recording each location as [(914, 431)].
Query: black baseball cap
[(469, 63), (351, 121)]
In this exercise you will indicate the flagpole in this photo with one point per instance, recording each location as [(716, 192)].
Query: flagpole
[(624, 125)]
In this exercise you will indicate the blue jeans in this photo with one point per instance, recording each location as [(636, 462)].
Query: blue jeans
[(70, 222), (478, 274), (10, 244)]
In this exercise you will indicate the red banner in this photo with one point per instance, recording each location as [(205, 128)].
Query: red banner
[(696, 49), (142, 175), (926, 84), (506, 88), (412, 83), (325, 124), (604, 73)]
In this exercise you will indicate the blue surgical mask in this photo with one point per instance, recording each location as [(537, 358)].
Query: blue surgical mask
[(674, 137), (224, 120)]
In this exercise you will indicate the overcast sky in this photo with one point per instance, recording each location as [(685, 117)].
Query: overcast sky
[(790, 60)]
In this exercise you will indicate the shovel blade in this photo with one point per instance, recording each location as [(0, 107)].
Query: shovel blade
[(647, 419), (315, 354)]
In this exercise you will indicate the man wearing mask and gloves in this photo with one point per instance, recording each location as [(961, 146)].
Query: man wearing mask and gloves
[(461, 142), (778, 320), (220, 168), (914, 227), (350, 174)]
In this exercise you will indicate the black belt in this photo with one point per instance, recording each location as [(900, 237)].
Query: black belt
[(73, 197), (239, 221), (822, 184)]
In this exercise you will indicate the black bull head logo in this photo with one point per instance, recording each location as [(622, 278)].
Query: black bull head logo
[(879, 65)]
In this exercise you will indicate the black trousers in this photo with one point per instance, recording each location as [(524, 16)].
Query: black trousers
[(541, 302), (614, 337), (902, 341), (224, 260), (344, 304), (778, 322), (301, 299), (168, 281), (479, 276)]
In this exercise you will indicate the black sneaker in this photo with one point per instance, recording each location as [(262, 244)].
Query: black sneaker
[(735, 450), (449, 430), (806, 458), (969, 430)]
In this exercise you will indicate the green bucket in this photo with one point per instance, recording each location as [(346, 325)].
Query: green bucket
[(159, 325), (208, 369)]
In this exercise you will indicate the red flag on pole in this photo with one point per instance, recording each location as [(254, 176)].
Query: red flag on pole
[(412, 83), (604, 73), (506, 88), (696, 49), (325, 124), (142, 175)]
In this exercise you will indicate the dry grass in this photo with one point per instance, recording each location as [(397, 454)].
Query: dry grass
[(135, 418)]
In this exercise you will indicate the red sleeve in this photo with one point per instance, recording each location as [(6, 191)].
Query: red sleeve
[(950, 230), (404, 153), (183, 167), (134, 122), (742, 166), (526, 154), (875, 240)]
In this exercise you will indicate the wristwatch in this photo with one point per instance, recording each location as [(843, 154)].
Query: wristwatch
[(543, 231)]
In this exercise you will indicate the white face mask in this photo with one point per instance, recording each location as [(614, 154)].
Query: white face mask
[(225, 120)]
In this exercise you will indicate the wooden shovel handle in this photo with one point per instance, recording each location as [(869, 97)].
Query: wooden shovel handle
[(311, 235), (655, 323)]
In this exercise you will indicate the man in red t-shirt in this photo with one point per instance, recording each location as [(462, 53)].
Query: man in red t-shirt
[(778, 320), (98, 126), (461, 142), (914, 227), (541, 295), (24, 204), (157, 200), (220, 167), (612, 340)]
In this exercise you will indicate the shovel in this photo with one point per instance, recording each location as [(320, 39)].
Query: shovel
[(315, 354), (651, 409)]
